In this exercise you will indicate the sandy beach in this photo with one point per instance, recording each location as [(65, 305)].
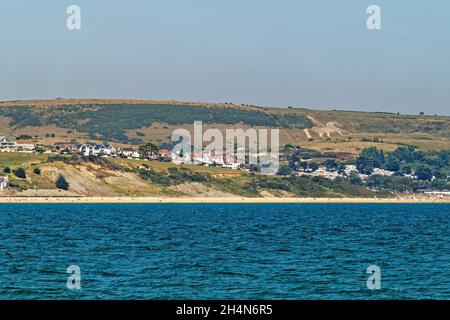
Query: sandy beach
[(218, 200)]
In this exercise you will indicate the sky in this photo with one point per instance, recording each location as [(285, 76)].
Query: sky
[(314, 54)]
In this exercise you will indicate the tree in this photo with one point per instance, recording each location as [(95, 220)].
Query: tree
[(354, 178), (7, 170), (368, 159), (284, 171), (303, 165), (443, 158), (40, 149), (341, 168), (406, 170), (37, 171), (24, 137), (403, 153), (314, 166), (61, 183), (392, 184), (20, 173), (440, 184), (288, 147), (424, 173), (148, 149), (392, 163), (439, 173), (419, 156), (331, 165)]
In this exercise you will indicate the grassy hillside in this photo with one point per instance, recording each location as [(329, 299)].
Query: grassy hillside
[(111, 121), (134, 121)]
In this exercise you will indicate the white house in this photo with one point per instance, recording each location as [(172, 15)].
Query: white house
[(320, 172), (102, 149), (25, 145), (7, 144), (96, 150), (85, 149), (129, 153), (349, 168), (382, 172)]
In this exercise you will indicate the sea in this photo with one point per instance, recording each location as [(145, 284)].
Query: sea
[(224, 251)]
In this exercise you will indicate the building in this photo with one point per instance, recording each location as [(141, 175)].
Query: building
[(25, 145), (349, 168), (320, 172), (4, 183), (66, 148), (104, 150), (128, 153), (231, 162), (179, 158), (85, 149), (382, 172), (6, 144), (164, 153), (96, 150)]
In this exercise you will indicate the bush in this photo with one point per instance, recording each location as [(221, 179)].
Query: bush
[(40, 149), (20, 173), (284, 171), (392, 163), (61, 183), (355, 179), (424, 173), (314, 166)]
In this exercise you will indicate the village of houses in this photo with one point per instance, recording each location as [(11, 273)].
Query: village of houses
[(100, 150), (109, 151), (205, 159), (8, 144)]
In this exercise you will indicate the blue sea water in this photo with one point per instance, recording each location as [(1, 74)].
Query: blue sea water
[(225, 251)]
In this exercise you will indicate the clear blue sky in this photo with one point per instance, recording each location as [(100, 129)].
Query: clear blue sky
[(316, 54)]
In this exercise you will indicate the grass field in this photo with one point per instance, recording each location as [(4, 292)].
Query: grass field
[(15, 159)]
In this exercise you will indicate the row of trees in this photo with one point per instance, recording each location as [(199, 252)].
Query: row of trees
[(60, 183), (406, 160), (20, 172)]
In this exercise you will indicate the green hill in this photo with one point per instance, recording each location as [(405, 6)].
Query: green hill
[(134, 121)]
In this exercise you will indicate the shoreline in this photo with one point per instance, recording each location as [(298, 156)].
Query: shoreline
[(4, 200)]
